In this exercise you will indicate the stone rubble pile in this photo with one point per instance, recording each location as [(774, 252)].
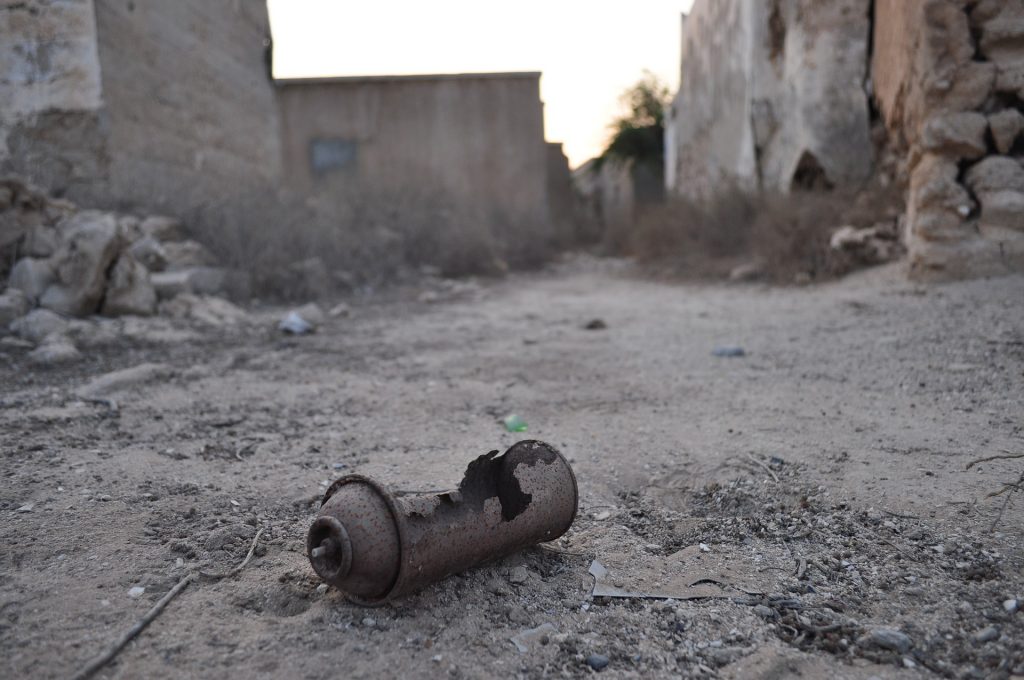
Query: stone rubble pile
[(62, 263), (949, 78)]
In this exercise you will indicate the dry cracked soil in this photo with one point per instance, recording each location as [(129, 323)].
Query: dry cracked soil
[(818, 485)]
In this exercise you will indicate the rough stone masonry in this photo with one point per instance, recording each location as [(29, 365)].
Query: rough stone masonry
[(855, 95), (949, 81)]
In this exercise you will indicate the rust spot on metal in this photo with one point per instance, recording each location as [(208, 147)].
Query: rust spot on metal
[(375, 546)]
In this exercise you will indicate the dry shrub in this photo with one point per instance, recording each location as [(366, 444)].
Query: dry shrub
[(293, 248), (786, 235)]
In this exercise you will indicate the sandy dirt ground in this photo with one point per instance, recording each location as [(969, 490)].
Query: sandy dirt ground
[(820, 482)]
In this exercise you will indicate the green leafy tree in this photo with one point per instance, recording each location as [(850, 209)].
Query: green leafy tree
[(639, 133)]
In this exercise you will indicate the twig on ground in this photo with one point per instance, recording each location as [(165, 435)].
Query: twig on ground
[(999, 517), (764, 467), (103, 659), (109, 403), (896, 514), (560, 551), (1006, 455), (1011, 487), (240, 567), (900, 550), (106, 657)]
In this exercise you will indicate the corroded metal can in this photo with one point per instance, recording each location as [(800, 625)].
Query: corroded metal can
[(374, 546)]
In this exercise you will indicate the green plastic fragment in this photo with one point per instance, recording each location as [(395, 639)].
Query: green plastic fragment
[(514, 423)]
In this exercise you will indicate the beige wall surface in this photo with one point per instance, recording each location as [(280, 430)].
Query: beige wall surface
[(139, 104), (50, 93), (768, 87), (949, 81), (475, 140), (190, 100)]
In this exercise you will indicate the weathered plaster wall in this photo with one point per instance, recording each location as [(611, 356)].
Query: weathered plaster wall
[(48, 58), (949, 81), (710, 118), (771, 96), (476, 140), (50, 92), (189, 96), (139, 104), (560, 193)]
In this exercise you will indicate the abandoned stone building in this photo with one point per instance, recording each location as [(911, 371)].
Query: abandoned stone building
[(148, 106), (170, 107), (854, 94), (475, 141)]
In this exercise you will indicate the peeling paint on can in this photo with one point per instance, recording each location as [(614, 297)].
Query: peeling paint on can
[(375, 546)]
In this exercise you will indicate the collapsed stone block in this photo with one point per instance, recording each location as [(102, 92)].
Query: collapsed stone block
[(91, 242), (960, 134), (129, 291), (163, 229), (1001, 31), (150, 252), (937, 204), (186, 254), (1005, 126), (13, 304), (32, 276), (198, 280), (38, 324), (998, 183), (40, 241), (56, 348)]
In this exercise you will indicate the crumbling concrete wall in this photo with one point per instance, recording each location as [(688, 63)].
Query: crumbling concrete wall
[(190, 100), (50, 89), (949, 81), (140, 104), (473, 140), (771, 97), (561, 196)]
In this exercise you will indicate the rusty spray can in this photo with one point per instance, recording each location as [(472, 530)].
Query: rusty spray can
[(374, 545)]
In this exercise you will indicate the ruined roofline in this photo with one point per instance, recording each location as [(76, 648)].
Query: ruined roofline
[(327, 80)]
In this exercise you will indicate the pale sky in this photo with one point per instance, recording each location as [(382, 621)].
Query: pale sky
[(588, 50)]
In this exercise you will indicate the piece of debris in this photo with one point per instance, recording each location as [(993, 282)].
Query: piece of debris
[(208, 310), (873, 245), (728, 351), (748, 271), (38, 324), (340, 309), (136, 592), (1011, 606), (518, 575), (115, 381), (598, 662), (514, 423), (403, 543), (887, 638), (13, 304), (294, 324), (56, 348), (595, 325), (541, 634), (312, 313), (688, 574), (26, 508), (986, 634)]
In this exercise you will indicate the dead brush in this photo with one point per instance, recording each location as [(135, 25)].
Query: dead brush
[(787, 236), (299, 249)]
